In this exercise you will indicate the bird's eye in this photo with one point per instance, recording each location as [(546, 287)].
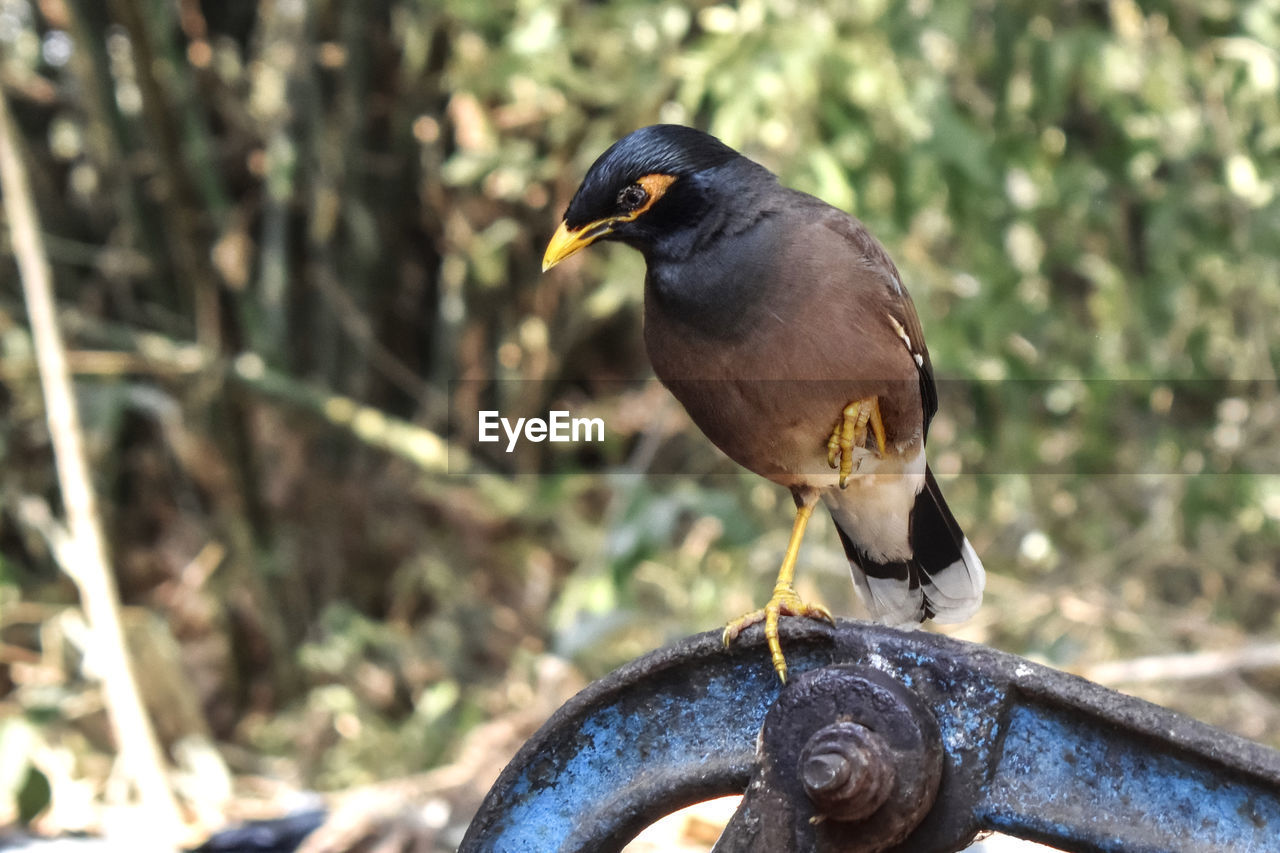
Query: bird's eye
[(632, 196)]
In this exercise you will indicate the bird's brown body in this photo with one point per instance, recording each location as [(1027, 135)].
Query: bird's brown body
[(766, 381)]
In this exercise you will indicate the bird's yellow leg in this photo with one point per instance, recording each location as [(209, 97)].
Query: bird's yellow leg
[(850, 431), (784, 601)]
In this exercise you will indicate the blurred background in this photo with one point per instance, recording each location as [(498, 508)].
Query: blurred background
[(296, 248)]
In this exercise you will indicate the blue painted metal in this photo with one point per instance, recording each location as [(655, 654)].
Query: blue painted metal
[(1027, 750), (657, 735), (1062, 777)]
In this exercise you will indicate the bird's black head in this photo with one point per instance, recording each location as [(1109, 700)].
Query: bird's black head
[(648, 183)]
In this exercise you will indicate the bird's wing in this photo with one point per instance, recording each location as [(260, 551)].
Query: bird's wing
[(920, 353), (893, 299)]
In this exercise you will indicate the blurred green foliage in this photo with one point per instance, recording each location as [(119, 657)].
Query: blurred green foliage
[(297, 245)]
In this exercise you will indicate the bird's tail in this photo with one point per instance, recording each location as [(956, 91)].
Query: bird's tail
[(943, 579)]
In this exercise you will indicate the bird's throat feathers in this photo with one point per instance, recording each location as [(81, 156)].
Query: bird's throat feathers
[(712, 284)]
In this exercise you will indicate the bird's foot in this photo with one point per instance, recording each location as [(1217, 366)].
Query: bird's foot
[(784, 602), (850, 431)]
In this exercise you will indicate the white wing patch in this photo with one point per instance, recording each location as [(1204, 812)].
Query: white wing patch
[(906, 339)]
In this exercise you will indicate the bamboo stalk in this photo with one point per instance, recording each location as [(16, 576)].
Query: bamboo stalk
[(112, 144), (82, 552), (186, 235)]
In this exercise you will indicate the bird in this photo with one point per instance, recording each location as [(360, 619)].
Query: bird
[(784, 329)]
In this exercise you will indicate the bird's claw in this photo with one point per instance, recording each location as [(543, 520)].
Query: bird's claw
[(850, 431), (784, 602)]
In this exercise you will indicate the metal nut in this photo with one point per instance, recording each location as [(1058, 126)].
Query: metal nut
[(847, 771)]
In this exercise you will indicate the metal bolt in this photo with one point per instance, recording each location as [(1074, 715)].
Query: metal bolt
[(847, 770)]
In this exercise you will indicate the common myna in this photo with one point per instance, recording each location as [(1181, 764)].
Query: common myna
[(784, 329)]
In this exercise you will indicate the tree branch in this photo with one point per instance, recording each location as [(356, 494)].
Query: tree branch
[(84, 553)]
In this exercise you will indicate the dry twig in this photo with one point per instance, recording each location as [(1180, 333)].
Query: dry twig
[(83, 552), (1187, 667)]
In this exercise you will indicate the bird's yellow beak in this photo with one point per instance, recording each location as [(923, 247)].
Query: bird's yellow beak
[(566, 242)]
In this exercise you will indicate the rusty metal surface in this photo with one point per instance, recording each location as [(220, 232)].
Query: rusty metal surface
[(871, 722), (1024, 749)]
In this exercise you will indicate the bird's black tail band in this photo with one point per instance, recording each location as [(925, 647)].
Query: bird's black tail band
[(943, 578)]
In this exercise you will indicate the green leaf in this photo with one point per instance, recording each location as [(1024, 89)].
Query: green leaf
[(34, 795)]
